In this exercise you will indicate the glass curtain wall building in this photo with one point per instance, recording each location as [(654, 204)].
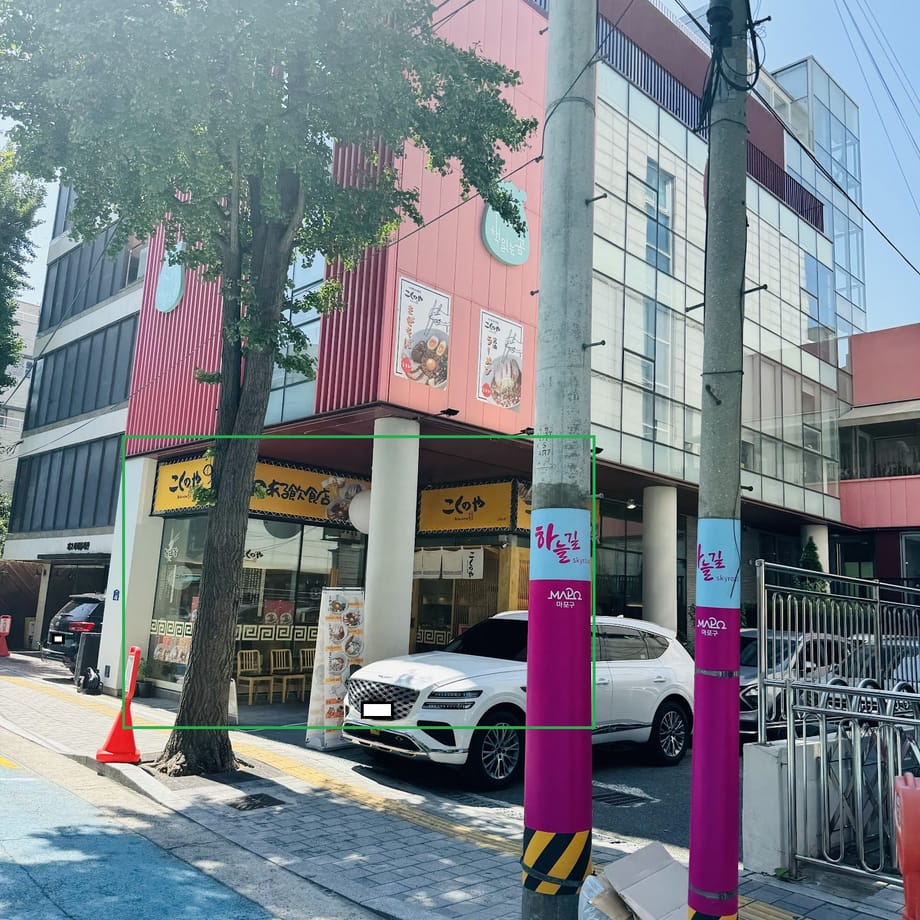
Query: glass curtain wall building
[(649, 263), (827, 121)]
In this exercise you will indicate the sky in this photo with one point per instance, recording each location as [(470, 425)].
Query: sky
[(799, 28)]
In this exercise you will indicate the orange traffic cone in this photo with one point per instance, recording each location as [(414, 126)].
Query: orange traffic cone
[(120, 747)]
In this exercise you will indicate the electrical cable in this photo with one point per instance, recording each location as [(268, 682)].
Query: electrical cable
[(875, 104), (447, 16), (906, 83), (878, 72)]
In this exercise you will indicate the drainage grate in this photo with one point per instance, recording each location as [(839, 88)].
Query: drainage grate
[(252, 802), (620, 798)]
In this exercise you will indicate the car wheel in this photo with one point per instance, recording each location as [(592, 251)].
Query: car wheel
[(496, 757), (670, 735)]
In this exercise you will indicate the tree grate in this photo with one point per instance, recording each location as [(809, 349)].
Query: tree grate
[(620, 798), (252, 802)]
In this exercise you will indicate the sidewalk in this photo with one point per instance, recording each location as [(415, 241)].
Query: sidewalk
[(399, 850)]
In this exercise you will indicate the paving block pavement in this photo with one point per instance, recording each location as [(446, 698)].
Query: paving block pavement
[(400, 851)]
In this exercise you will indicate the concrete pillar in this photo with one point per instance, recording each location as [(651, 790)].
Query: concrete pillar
[(40, 613), (659, 555), (134, 595), (391, 538), (818, 532)]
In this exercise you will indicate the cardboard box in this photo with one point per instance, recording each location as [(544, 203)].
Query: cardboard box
[(651, 883)]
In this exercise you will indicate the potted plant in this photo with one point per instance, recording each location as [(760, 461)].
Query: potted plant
[(144, 685)]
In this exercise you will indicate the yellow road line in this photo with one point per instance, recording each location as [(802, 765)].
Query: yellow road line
[(4, 762), (757, 910), (378, 802), (109, 707)]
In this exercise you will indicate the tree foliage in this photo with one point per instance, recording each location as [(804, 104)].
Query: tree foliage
[(811, 560), (6, 506), (221, 117), (20, 199)]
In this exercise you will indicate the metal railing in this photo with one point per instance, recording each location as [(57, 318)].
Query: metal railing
[(822, 628), (838, 670), (849, 744)]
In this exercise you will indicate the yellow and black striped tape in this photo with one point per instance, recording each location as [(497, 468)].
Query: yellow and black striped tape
[(555, 863), (693, 914)]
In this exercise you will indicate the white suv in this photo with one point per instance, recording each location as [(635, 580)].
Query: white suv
[(644, 693)]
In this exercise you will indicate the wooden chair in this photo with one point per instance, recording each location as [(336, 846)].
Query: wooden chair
[(307, 657), (282, 671), (249, 673)]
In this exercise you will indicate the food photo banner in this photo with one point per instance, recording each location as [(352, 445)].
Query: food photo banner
[(422, 334), (501, 361), (292, 492)]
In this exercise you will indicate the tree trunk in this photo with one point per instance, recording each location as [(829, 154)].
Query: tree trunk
[(205, 691)]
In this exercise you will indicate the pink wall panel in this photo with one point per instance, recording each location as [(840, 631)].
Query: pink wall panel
[(165, 398), (885, 365), (877, 503), (448, 253)]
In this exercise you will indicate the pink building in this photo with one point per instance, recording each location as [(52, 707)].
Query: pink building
[(880, 457)]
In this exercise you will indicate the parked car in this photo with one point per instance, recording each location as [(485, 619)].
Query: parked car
[(802, 657), (890, 663), (81, 614), (644, 694)]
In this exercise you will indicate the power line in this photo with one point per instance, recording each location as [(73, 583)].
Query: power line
[(875, 104), (889, 52)]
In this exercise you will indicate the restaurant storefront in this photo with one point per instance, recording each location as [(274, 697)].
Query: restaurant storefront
[(472, 558), (298, 541)]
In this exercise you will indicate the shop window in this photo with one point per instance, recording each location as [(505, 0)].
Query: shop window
[(285, 568)]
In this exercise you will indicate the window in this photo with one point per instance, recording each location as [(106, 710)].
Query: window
[(85, 276), (619, 643), (83, 376), (659, 195), (74, 487)]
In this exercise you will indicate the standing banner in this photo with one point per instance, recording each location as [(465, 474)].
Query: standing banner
[(339, 652)]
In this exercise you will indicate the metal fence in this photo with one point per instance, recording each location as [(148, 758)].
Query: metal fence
[(845, 747), (838, 667), (831, 630)]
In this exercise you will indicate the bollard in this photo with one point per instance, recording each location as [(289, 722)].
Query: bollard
[(907, 831), (6, 624), (119, 747)]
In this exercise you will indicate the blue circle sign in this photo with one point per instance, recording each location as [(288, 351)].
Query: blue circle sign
[(500, 238)]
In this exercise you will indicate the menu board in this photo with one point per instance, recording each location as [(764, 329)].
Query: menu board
[(422, 334), (501, 361), (339, 652)]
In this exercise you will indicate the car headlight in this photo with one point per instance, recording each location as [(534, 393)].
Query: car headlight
[(452, 699), (749, 694)]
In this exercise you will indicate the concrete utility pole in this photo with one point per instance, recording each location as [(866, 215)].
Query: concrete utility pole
[(557, 779), (714, 812)]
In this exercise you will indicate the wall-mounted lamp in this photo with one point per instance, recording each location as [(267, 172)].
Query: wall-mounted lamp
[(631, 505), (449, 413), (526, 431), (598, 450)]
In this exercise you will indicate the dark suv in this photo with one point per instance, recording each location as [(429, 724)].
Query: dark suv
[(81, 614)]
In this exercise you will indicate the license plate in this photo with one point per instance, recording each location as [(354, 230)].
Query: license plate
[(374, 732), (59, 640)]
